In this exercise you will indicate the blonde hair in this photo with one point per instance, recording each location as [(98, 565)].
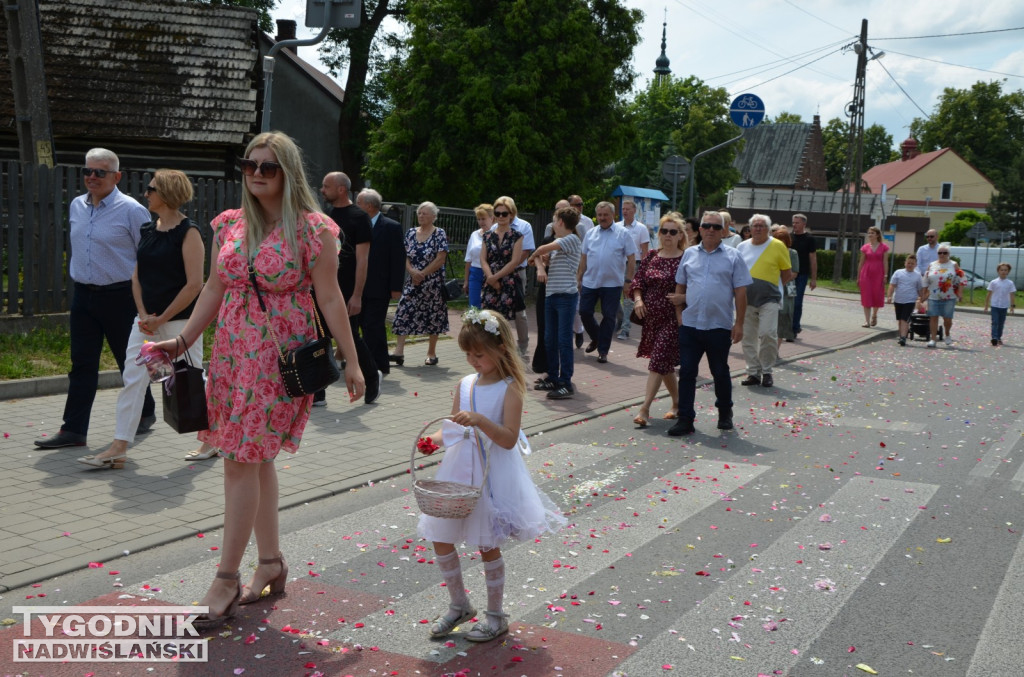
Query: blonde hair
[(508, 202), (484, 209), (296, 198), (500, 347), (676, 218), (173, 186)]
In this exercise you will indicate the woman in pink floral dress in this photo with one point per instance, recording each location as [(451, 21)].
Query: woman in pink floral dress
[(291, 247)]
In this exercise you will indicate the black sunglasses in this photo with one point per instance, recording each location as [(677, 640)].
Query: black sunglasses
[(100, 173), (268, 170), (152, 189), (666, 231), (943, 253), (712, 226), (503, 213)]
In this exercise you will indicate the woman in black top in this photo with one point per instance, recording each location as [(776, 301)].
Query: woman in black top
[(167, 279)]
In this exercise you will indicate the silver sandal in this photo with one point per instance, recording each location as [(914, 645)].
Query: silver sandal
[(443, 625), (483, 632)]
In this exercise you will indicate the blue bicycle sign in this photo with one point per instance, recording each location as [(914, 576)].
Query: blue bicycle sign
[(746, 111)]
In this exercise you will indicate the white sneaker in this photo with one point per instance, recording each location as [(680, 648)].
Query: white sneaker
[(931, 344), (948, 341)]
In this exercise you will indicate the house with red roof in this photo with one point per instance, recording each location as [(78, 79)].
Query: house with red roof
[(935, 185)]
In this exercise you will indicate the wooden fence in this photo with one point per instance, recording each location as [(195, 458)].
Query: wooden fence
[(34, 243), (34, 238)]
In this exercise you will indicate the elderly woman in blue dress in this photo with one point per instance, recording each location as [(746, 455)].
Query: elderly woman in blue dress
[(422, 308)]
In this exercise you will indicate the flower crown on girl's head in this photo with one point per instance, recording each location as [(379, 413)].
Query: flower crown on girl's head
[(485, 318)]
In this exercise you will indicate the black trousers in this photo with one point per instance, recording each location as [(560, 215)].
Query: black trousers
[(373, 324), (97, 314)]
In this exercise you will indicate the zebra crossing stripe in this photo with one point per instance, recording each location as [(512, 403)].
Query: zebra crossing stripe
[(790, 603), (997, 454), (530, 583), (1003, 626)]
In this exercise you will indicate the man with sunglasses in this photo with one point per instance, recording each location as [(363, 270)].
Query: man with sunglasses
[(712, 281), (928, 253), (105, 230), (768, 262)]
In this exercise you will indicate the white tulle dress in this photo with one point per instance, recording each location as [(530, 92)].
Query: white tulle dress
[(511, 506)]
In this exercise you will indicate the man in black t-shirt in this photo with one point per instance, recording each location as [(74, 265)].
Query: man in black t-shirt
[(803, 245), (352, 264)]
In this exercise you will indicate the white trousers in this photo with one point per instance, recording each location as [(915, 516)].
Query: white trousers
[(136, 377), (761, 338)]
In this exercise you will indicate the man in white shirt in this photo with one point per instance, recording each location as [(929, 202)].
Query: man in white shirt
[(608, 260), (642, 239), (927, 254), (586, 223)]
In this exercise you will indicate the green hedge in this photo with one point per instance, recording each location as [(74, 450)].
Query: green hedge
[(826, 259)]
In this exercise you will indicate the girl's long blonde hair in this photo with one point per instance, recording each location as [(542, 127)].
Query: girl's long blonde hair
[(500, 347), (296, 199)]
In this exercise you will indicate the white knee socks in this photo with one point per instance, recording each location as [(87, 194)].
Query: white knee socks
[(494, 574), (451, 570)]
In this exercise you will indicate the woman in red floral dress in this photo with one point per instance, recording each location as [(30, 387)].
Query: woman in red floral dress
[(654, 281), (280, 236)]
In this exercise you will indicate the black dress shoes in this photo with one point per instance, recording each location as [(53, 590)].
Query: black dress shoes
[(579, 340), (373, 388), (751, 381), (682, 427), (397, 359), (591, 347), (725, 419), (145, 423), (62, 439), (767, 381)]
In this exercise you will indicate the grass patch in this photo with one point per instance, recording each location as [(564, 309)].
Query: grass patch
[(46, 351)]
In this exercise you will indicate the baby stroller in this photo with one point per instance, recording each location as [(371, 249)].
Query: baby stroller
[(919, 324)]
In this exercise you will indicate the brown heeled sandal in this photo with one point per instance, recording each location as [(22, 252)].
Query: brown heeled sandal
[(205, 621), (276, 584)]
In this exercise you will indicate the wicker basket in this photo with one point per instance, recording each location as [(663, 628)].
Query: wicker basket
[(448, 500)]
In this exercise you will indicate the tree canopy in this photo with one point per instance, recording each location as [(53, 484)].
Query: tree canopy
[(679, 117), (370, 54), (516, 97), (955, 231), (1007, 206), (878, 149), (982, 124)]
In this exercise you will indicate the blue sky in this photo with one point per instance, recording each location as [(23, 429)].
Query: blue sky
[(767, 46)]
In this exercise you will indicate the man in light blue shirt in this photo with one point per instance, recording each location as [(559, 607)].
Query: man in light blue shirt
[(712, 281), (105, 230), (609, 257)]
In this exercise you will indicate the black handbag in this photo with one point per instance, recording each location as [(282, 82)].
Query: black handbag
[(308, 368), (452, 288), (185, 398), (518, 296)]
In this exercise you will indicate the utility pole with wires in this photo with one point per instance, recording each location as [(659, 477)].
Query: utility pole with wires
[(854, 155)]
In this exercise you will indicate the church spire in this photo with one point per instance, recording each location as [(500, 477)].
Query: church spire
[(661, 69)]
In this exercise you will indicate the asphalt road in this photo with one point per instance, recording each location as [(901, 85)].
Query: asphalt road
[(864, 518)]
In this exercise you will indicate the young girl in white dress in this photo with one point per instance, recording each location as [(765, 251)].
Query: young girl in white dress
[(510, 506)]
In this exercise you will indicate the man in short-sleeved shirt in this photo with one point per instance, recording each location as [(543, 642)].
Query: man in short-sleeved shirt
[(768, 261), (712, 278), (606, 269), (105, 232), (642, 239), (353, 263)]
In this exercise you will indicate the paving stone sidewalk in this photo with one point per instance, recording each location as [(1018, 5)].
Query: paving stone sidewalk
[(57, 515)]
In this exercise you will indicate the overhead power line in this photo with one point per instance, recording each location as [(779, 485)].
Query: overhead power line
[(951, 35), (957, 65), (910, 98)]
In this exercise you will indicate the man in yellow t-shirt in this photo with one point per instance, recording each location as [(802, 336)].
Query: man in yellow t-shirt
[(768, 261)]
